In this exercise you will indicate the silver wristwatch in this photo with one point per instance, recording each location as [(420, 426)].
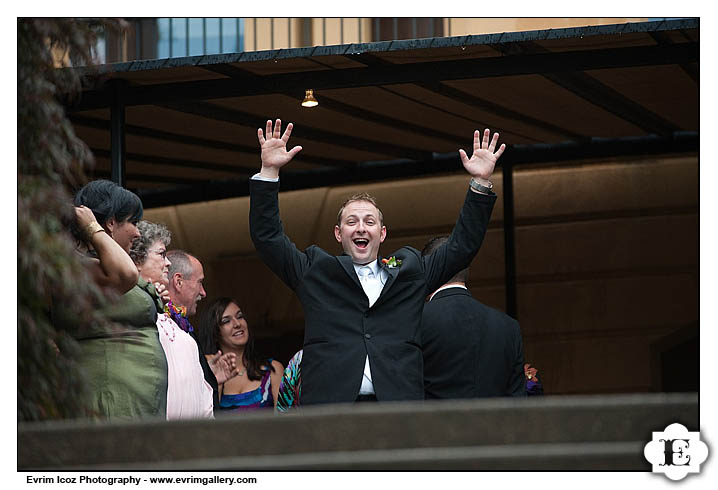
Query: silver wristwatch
[(481, 188)]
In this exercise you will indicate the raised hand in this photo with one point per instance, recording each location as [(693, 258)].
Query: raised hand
[(224, 366), (483, 160), (84, 216), (274, 148)]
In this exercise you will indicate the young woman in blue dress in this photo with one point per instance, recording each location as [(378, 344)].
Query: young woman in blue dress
[(222, 326)]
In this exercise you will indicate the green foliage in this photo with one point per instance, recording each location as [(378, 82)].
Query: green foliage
[(51, 162)]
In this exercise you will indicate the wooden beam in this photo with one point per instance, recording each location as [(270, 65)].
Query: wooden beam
[(499, 66)]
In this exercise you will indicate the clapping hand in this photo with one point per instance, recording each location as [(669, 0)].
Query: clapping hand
[(224, 366), (530, 372), (163, 293), (274, 148), (483, 160)]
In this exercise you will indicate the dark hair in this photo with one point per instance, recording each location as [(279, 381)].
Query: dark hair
[(208, 337), (436, 242), (109, 200)]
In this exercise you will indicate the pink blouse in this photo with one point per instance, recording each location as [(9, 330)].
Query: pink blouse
[(189, 396)]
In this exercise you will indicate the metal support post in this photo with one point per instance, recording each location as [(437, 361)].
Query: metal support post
[(117, 132), (509, 241)]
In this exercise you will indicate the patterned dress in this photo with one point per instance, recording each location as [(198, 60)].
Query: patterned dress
[(260, 397), (290, 390)]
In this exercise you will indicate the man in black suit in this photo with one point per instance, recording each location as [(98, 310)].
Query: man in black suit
[(470, 350), (360, 339)]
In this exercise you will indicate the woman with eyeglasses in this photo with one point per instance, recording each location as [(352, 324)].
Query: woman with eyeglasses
[(188, 394), (122, 357)]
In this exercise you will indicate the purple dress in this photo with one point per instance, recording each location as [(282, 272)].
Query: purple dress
[(260, 397)]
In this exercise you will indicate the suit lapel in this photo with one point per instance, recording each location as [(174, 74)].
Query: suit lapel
[(348, 265), (346, 262), (393, 272)]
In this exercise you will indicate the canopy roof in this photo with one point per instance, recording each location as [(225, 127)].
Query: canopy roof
[(395, 109)]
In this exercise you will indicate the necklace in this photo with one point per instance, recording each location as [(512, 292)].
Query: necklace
[(161, 321), (241, 373), (179, 315)]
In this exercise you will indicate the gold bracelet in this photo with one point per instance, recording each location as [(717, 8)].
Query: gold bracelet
[(91, 229)]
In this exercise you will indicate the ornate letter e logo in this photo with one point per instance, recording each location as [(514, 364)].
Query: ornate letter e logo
[(676, 452)]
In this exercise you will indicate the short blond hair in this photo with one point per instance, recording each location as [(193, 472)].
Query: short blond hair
[(362, 196)]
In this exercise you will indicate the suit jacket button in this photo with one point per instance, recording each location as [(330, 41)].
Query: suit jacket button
[(366, 314), (367, 335)]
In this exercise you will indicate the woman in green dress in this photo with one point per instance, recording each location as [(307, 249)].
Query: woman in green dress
[(124, 362)]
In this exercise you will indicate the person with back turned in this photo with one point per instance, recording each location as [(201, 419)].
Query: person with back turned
[(470, 350)]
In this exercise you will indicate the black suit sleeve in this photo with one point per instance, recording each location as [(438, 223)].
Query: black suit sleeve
[(267, 233), (208, 374), (517, 382), (463, 244)]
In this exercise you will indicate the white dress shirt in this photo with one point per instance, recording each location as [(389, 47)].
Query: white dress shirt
[(372, 280), (264, 179), (446, 287)]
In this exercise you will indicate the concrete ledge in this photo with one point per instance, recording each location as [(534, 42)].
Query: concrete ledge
[(560, 432), (519, 457)]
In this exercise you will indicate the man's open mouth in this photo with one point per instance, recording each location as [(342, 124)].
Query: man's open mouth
[(361, 242)]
